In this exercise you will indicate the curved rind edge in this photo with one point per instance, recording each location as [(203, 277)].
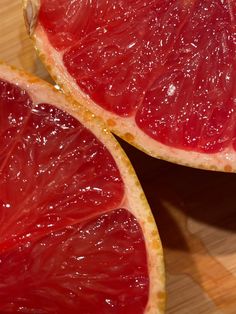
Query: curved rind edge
[(137, 201), (126, 128)]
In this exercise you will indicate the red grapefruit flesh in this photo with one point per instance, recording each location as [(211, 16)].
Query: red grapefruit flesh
[(77, 235), (161, 73)]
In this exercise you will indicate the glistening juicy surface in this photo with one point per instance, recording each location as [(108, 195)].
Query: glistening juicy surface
[(66, 245), (171, 64)]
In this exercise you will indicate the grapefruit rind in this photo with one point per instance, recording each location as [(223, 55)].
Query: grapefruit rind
[(134, 199), (126, 128)]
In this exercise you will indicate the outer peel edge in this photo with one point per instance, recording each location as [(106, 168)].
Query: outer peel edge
[(135, 198)]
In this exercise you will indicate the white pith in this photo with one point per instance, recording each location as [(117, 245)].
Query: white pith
[(127, 128), (134, 199)]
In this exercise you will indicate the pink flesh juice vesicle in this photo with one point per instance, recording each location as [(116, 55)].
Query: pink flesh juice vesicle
[(66, 246), (169, 63)]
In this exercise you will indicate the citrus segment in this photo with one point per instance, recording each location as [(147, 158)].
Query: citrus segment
[(97, 266), (164, 71), (57, 167), (191, 105), (75, 229), (11, 121)]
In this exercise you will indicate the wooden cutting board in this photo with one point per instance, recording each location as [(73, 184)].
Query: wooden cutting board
[(195, 210)]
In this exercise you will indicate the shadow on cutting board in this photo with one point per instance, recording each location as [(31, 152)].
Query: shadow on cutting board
[(206, 196), (177, 194)]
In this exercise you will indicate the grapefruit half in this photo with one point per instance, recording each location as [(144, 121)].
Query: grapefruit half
[(161, 73), (77, 235)]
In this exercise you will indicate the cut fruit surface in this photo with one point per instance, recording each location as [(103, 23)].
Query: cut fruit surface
[(77, 235), (160, 73)]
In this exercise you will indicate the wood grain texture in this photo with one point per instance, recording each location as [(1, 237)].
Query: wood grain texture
[(15, 46), (195, 210)]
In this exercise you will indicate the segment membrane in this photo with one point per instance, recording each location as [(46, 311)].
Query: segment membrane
[(65, 245), (169, 64), (97, 266)]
